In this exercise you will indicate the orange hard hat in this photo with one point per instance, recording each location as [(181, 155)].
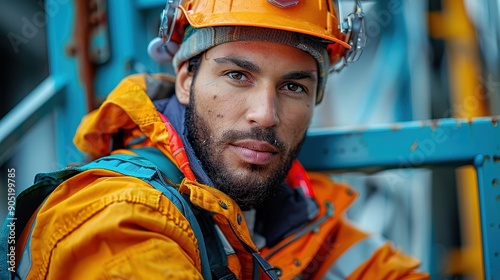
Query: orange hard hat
[(316, 18)]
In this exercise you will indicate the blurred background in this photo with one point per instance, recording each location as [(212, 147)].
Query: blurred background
[(424, 60)]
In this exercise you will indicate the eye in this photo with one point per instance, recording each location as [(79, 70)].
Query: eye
[(237, 76), (294, 88)]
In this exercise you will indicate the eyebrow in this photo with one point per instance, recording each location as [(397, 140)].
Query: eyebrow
[(299, 75), (249, 66), (245, 64)]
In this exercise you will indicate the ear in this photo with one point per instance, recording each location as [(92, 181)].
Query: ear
[(183, 82)]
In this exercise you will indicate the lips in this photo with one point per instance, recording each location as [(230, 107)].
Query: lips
[(254, 152)]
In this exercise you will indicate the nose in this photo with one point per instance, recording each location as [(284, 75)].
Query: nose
[(263, 108)]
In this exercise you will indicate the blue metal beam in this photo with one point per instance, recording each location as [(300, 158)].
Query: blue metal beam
[(146, 4), (401, 145), (488, 176), (40, 102)]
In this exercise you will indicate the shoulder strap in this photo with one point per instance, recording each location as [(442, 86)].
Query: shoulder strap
[(164, 164), (215, 251)]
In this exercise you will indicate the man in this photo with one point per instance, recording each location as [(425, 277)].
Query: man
[(248, 76)]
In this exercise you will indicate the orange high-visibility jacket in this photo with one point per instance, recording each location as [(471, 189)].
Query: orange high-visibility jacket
[(103, 225)]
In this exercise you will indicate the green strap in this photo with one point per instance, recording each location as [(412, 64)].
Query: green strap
[(162, 162)]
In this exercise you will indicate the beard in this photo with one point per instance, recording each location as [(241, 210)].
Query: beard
[(251, 188)]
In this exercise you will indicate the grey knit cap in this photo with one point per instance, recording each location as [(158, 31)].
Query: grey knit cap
[(198, 40)]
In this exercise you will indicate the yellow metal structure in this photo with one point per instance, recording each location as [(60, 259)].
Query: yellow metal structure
[(468, 100)]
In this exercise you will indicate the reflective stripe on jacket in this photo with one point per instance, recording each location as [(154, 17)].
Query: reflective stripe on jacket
[(102, 225)]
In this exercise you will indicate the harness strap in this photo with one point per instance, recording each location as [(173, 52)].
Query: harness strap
[(223, 273), (260, 262)]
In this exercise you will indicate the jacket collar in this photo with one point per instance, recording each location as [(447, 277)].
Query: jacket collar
[(175, 113)]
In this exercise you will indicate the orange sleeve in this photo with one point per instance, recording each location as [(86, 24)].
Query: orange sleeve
[(113, 228), (388, 263)]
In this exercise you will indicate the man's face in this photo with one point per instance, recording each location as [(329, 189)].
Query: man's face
[(249, 107)]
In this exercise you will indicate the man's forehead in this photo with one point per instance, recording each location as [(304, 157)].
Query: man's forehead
[(241, 52)]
